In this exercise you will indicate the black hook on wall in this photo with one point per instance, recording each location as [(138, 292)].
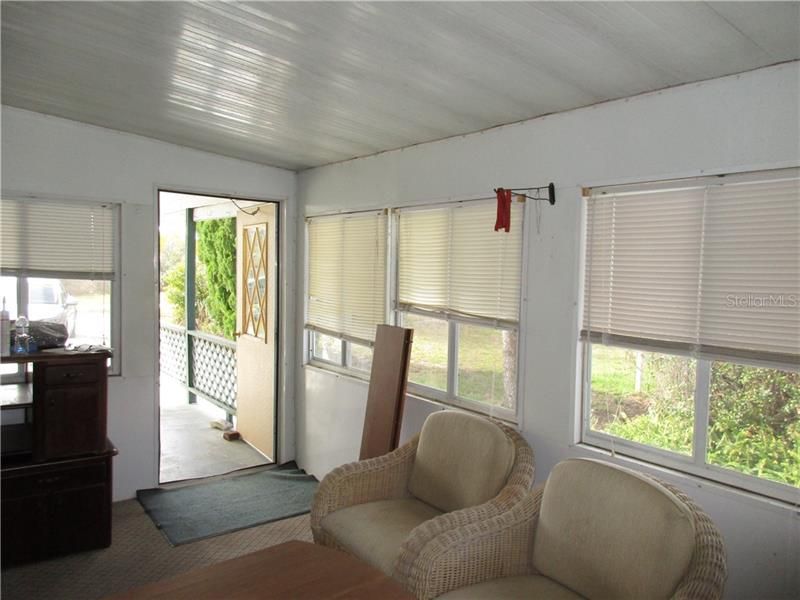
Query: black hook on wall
[(551, 193)]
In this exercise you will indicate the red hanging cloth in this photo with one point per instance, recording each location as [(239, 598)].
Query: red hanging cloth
[(503, 210)]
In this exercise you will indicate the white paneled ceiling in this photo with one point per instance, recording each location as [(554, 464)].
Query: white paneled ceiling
[(300, 84)]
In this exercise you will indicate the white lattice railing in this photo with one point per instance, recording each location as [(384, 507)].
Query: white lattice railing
[(213, 361), (173, 352)]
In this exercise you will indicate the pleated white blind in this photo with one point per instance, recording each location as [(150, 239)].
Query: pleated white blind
[(451, 261), (347, 275), (710, 266), (49, 237)]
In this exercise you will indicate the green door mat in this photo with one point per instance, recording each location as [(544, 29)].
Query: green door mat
[(204, 510)]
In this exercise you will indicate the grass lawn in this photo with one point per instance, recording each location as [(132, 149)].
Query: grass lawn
[(481, 371), (659, 412)]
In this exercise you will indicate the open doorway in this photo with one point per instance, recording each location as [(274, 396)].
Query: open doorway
[(218, 308)]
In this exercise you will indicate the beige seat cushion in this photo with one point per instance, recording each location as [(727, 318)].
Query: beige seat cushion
[(374, 531), (462, 460), (531, 587), (606, 532)]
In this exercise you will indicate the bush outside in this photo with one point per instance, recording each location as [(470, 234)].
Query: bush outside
[(755, 421), (215, 279), (216, 252), (754, 413)]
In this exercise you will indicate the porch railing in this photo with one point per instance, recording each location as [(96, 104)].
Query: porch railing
[(204, 363)]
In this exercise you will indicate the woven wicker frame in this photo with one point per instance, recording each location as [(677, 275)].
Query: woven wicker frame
[(386, 477), (502, 546), (708, 569)]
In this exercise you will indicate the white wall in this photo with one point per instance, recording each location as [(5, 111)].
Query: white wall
[(743, 122), (51, 157)]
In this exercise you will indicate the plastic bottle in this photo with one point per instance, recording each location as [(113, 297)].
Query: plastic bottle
[(21, 337), (5, 331)]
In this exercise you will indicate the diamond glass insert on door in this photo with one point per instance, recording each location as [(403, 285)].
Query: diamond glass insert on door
[(254, 306)]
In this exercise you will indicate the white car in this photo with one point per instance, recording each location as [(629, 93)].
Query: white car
[(47, 301)]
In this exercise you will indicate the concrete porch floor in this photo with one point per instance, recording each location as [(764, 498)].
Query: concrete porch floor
[(190, 447)]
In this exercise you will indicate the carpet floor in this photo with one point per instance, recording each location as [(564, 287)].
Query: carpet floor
[(139, 554)]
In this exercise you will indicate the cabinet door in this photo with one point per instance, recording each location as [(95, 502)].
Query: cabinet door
[(78, 519), (69, 408), (70, 422), (23, 529), (55, 508)]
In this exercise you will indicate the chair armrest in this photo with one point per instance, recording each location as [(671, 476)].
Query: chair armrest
[(523, 470), (499, 546), (708, 570), (424, 533), (379, 478), (518, 484)]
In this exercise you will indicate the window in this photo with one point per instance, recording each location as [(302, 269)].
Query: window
[(691, 326), (454, 280), (346, 287), (429, 350), (59, 264), (458, 287)]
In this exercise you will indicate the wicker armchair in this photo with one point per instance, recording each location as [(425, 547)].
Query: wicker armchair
[(496, 558), (460, 469)]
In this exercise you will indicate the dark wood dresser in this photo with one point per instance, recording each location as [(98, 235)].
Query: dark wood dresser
[(56, 458)]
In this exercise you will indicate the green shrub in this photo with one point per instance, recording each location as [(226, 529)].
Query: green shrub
[(669, 430), (754, 421), (754, 414), (216, 251), (174, 287), (215, 279)]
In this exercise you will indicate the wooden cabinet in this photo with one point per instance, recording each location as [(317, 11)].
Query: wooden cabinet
[(57, 462), (55, 507), (69, 407)]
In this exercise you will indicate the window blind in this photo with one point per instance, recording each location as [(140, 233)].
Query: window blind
[(347, 275), (57, 238), (451, 261), (710, 266)]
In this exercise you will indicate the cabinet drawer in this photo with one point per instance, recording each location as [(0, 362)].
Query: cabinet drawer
[(77, 373), (52, 480)]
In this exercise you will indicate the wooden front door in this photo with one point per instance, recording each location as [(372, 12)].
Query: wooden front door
[(256, 294)]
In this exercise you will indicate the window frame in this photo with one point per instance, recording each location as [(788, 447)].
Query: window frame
[(348, 357), (695, 464), (115, 295), (307, 272), (345, 364), (450, 396), (393, 316), (313, 356)]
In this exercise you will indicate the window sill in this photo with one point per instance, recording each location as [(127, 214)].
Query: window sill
[(470, 406), (443, 405), (678, 476), (331, 369), (415, 393)]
